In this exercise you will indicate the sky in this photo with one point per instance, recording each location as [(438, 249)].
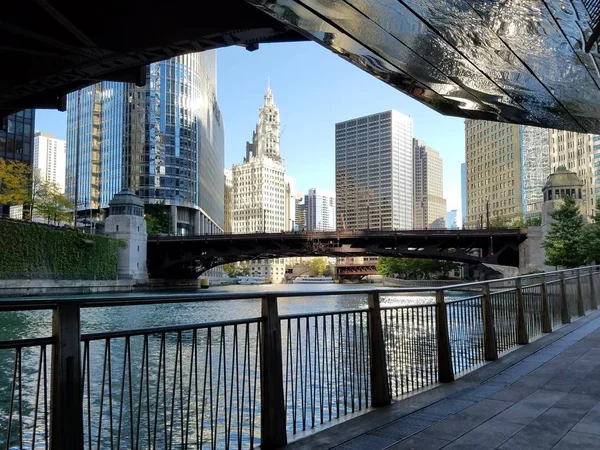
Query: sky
[(314, 89)]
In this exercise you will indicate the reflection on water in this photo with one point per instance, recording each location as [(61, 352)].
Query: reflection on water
[(203, 385)]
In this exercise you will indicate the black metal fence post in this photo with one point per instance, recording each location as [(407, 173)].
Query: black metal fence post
[(522, 335), (564, 306), (380, 388), (489, 333), (444, 352), (580, 307), (546, 321), (272, 407), (66, 402)]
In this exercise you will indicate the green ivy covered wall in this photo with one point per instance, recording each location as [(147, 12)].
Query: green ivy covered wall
[(35, 251)]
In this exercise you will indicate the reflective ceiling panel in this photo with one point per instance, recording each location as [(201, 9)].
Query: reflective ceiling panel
[(521, 61)]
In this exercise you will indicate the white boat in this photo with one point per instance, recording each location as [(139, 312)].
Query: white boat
[(313, 280), (251, 280)]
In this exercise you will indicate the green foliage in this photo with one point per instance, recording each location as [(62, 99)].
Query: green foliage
[(29, 250), (564, 241), (236, 270), (591, 236), (14, 182), (317, 266), (51, 204), (535, 221), (157, 219), (413, 268)]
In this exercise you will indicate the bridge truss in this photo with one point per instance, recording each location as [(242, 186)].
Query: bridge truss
[(190, 256)]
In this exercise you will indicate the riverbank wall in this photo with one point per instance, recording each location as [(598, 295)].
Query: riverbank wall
[(26, 288)]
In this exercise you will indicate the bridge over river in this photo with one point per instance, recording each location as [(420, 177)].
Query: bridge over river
[(189, 256)]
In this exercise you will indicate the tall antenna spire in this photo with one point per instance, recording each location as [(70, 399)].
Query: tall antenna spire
[(268, 83)]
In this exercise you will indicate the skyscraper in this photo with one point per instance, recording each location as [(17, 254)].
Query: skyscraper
[(429, 204), (227, 199), (463, 194), (300, 202), (535, 168), (575, 151), (49, 158), (16, 136), (16, 143), (451, 219), (596, 142), (262, 196), (493, 159), (320, 210), (163, 140), (373, 172)]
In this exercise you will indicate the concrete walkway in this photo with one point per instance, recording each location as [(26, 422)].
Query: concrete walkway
[(545, 395)]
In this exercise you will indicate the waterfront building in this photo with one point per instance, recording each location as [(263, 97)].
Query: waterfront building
[(493, 166), (50, 159), (164, 141), (596, 143), (290, 203), (300, 202), (374, 174), (451, 219), (228, 226), (463, 194), (429, 204), (16, 143), (575, 151), (535, 164), (320, 210), (262, 194)]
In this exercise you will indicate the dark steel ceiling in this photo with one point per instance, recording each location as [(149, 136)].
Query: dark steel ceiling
[(523, 61)]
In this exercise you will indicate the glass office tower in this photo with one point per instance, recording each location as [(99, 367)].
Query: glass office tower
[(164, 141), (16, 143)]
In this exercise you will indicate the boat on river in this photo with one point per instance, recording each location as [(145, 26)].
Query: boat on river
[(251, 280), (313, 280)]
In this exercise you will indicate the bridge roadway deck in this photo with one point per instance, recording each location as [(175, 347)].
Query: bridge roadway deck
[(545, 395)]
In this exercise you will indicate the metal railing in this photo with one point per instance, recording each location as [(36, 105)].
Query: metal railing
[(255, 381)]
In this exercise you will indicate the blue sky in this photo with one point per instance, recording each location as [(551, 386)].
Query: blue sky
[(313, 89)]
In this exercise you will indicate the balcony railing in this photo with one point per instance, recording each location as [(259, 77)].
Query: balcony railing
[(261, 380)]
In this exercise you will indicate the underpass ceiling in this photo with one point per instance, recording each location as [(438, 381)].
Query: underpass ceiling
[(523, 61)]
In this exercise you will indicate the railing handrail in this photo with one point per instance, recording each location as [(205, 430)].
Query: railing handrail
[(104, 300)]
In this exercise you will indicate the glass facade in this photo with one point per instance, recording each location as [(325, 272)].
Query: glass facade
[(16, 137), (164, 141), (535, 168), (596, 144)]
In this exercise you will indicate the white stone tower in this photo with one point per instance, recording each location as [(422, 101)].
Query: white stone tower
[(126, 222), (262, 194)]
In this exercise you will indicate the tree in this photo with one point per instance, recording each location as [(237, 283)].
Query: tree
[(236, 269), (14, 182), (412, 268), (317, 266), (591, 236), (52, 204), (534, 221), (563, 242), (157, 219)]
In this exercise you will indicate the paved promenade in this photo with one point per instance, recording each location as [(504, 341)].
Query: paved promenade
[(545, 395)]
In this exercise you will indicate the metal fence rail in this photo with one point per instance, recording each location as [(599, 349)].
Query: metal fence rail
[(409, 333), (465, 326), (173, 387), (249, 382), (504, 305), (325, 367), (532, 306)]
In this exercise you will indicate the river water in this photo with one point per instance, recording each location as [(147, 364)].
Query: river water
[(222, 362)]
